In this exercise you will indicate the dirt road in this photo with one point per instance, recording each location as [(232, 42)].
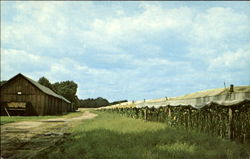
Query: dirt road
[(25, 139)]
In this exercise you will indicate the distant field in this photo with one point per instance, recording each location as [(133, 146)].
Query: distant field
[(11, 119), (111, 136)]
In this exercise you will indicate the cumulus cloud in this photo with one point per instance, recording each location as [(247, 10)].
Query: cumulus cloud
[(218, 24), (119, 52), (232, 60), (20, 60)]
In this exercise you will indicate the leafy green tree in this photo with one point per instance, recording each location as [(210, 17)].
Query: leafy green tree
[(44, 81), (93, 103), (101, 102), (67, 89)]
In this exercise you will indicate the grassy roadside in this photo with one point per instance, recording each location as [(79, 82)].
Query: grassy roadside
[(11, 119), (111, 136)]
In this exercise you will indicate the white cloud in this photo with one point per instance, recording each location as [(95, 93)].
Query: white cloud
[(211, 38), (207, 33), (218, 24), (44, 24), (18, 61), (37, 24), (213, 24), (231, 60), (153, 19), (16, 58)]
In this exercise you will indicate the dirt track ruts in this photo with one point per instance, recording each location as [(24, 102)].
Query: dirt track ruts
[(25, 139)]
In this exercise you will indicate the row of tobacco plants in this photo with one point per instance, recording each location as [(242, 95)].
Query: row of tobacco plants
[(232, 122)]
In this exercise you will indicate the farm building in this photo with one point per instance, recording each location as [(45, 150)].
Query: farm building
[(23, 96)]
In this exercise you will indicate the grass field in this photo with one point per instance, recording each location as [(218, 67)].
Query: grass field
[(11, 119), (111, 136)]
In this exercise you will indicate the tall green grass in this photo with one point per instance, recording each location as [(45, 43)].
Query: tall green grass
[(112, 136)]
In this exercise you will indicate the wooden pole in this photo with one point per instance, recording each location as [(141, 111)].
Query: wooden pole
[(169, 112), (244, 138), (6, 111), (230, 117)]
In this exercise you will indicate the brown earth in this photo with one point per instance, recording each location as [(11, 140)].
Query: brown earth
[(25, 139)]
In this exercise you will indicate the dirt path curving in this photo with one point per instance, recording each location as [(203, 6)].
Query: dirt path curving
[(27, 138)]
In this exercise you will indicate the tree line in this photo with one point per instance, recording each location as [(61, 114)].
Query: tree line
[(68, 90), (97, 102)]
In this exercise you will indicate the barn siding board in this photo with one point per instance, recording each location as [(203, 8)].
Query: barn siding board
[(39, 105), (62, 111), (49, 110), (59, 107), (64, 107), (45, 104), (55, 106), (52, 106), (42, 99), (32, 92), (49, 105), (35, 103)]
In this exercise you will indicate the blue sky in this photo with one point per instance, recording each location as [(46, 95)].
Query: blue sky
[(128, 50)]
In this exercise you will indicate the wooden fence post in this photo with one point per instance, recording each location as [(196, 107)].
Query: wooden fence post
[(145, 114), (169, 112), (230, 117)]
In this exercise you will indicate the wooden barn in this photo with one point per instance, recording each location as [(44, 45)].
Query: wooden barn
[(23, 96)]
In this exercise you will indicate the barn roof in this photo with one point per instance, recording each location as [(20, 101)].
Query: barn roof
[(44, 89)]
